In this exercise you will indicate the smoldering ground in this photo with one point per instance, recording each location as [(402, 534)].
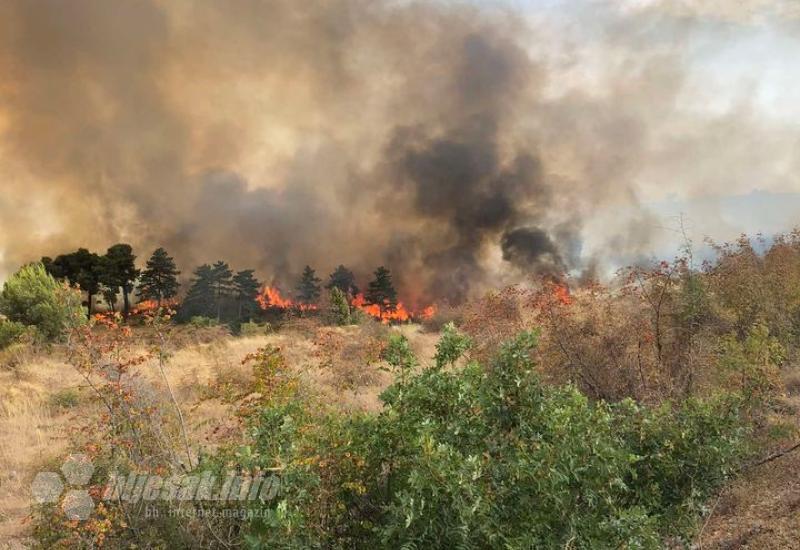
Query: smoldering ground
[(449, 141)]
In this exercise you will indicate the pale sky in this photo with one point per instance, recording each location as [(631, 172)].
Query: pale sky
[(738, 53)]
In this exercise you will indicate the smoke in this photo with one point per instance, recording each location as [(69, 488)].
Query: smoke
[(455, 144)]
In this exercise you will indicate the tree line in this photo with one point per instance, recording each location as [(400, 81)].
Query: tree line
[(115, 273), (215, 291), (380, 291)]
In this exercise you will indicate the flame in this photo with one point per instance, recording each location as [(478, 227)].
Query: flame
[(428, 312), (562, 294), (147, 306), (270, 297), (385, 315)]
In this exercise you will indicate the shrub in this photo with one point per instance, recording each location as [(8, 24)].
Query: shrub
[(198, 321), (477, 457), (33, 297), (752, 365), (338, 309), (398, 353), (494, 319), (66, 398), (349, 356), (11, 332), (451, 346)]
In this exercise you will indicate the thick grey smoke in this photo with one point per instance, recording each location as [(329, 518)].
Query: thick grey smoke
[(439, 138)]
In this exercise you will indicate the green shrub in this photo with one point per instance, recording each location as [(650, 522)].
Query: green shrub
[(752, 365), (198, 321), (452, 345), (34, 298), (338, 309), (477, 457), (66, 398), (11, 332), (399, 355)]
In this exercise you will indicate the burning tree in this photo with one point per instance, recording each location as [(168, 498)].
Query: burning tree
[(381, 291), (159, 280)]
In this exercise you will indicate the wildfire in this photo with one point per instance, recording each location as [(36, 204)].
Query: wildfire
[(270, 298), (146, 306), (385, 315), (562, 294)]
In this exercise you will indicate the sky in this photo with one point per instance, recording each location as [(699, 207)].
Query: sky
[(464, 143), (739, 55)]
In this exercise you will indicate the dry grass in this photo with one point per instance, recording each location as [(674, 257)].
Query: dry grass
[(42, 397), (791, 381), (33, 433), (761, 509)]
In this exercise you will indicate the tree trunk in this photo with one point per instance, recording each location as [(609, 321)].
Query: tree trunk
[(219, 303), (125, 301)]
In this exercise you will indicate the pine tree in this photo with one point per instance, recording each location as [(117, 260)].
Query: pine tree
[(308, 289), (343, 279), (119, 271), (246, 288), (381, 290), (222, 279), (200, 299), (110, 297), (159, 280), (82, 268), (338, 308)]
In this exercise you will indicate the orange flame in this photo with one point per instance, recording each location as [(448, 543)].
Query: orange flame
[(562, 294), (428, 312), (270, 297), (148, 306), (385, 315)]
